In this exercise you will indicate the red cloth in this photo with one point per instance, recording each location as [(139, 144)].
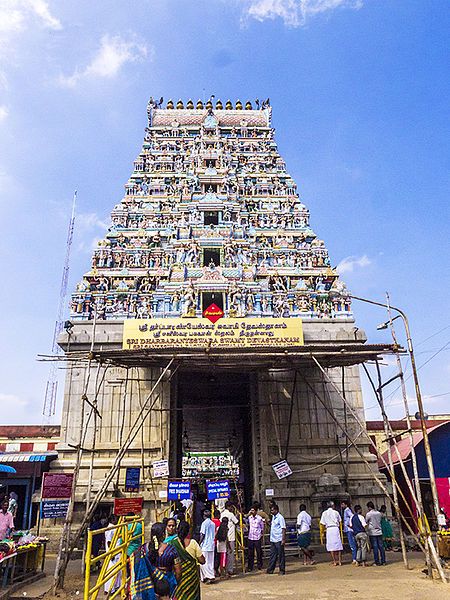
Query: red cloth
[(443, 490)]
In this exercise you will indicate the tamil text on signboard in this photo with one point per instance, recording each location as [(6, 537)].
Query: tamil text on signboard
[(132, 479), (160, 468), (282, 469), (54, 509), (140, 334), (57, 485), (218, 489), (125, 506), (179, 490)]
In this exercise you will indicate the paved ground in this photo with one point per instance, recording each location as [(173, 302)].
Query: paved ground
[(318, 582), (325, 582)]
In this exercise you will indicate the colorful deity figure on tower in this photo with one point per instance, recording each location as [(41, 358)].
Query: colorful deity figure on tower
[(210, 214)]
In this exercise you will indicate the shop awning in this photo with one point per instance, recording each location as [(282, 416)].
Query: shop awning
[(13, 457), (7, 469), (404, 446)]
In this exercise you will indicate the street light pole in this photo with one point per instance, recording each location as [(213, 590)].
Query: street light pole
[(426, 441)]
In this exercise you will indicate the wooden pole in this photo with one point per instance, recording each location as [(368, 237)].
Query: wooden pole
[(134, 430), (377, 479), (391, 465), (426, 441), (418, 500)]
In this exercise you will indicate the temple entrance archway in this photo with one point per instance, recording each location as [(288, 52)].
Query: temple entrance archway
[(212, 426)]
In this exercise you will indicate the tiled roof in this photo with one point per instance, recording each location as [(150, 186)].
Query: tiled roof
[(29, 431)]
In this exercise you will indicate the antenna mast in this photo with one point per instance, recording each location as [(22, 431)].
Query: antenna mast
[(52, 381)]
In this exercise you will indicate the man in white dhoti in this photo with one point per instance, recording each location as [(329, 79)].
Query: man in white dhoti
[(331, 519), (207, 542)]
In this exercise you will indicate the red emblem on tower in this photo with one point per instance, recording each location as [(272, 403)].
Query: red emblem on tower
[(213, 313)]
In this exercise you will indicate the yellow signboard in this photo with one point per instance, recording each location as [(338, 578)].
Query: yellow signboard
[(142, 334)]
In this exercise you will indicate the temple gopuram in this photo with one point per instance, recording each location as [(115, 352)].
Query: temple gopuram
[(212, 329)]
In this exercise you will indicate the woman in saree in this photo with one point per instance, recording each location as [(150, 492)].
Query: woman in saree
[(386, 529), (171, 530), (156, 568), (191, 556)]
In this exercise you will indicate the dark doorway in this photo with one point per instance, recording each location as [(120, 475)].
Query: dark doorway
[(209, 298), (211, 217), (211, 254), (213, 415)]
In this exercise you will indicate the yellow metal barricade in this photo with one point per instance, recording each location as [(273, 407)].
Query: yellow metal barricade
[(321, 532), (124, 534), (240, 547), (423, 525)]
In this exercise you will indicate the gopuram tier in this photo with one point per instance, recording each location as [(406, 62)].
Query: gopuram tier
[(210, 213)]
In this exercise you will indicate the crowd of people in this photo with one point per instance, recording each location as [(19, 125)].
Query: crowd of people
[(179, 557), (372, 531)]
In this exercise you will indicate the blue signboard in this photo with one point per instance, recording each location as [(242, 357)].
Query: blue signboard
[(218, 489), (179, 490), (54, 509), (132, 479)]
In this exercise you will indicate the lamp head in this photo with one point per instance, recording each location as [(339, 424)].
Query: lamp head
[(417, 416)]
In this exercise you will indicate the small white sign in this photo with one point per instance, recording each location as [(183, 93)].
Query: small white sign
[(282, 469), (163, 494), (160, 468), (270, 492)]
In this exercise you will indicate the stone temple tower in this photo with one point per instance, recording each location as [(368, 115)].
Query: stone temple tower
[(211, 216)]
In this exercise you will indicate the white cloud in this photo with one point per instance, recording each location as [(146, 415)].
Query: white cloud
[(8, 400), (113, 53), (294, 13), (88, 221), (85, 225), (16, 15), (4, 112), (42, 10), (348, 265)]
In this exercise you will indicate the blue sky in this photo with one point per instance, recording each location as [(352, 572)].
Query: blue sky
[(360, 95)]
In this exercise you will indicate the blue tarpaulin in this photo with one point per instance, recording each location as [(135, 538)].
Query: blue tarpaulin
[(7, 469)]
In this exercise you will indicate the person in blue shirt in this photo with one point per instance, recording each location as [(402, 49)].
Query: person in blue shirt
[(347, 515), (277, 541), (207, 544)]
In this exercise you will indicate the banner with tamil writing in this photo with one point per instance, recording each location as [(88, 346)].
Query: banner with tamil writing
[(142, 334)]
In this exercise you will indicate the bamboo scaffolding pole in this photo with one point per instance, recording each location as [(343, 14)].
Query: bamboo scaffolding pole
[(426, 441), (394, 481), (361, 454), (62, 558), (134, 430), (418, 501), (391, 465)]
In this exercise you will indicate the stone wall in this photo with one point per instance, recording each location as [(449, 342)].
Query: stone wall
[(322, 467)]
